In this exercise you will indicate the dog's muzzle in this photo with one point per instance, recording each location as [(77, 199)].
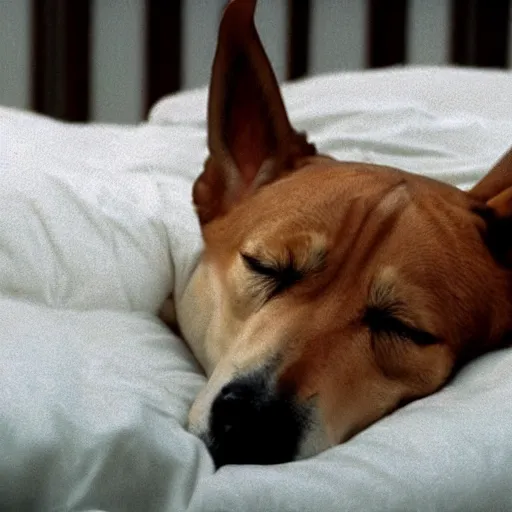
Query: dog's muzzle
[(251, 423)]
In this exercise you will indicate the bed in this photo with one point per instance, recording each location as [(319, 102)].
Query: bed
[(96, 227)]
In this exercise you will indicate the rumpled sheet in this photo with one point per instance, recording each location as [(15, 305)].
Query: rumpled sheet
[(96, 227)]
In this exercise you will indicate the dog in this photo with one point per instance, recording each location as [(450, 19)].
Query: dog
[(329, 293)]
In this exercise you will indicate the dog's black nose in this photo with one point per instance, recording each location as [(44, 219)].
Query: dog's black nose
[(251, 424)]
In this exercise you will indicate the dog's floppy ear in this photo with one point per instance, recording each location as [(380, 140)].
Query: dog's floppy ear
[(250, 138), (495, 192)]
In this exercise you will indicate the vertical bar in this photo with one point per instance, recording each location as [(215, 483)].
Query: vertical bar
[(338, 36), (118, 46), (42, 41), (509, 36), (271, 19), (428, 32), (76, 54), (163, 48), (198, 17), (480, 32), (387, 32), (15, 49), (492, 31), (298, 38), (61, 58), (461, 20)]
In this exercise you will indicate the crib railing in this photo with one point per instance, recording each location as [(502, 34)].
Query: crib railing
[(109, 60)]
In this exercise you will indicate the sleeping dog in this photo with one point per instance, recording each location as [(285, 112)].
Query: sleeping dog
[(328, 293)]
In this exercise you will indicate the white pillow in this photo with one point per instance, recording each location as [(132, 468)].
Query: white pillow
[(96, 230), (96, 227)]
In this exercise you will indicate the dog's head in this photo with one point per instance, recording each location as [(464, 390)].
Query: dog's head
[(329, 293)]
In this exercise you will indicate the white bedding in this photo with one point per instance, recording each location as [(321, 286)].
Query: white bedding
[(96, 227)]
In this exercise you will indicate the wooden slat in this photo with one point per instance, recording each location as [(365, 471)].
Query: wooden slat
[(480, 32), (461, 23), (163, 48), (337, 36), (118, 61), (387, 32), (197, 52), (15, 48), (428, 32), (271, 21), (492, 32), (60, 52), (298, 38)]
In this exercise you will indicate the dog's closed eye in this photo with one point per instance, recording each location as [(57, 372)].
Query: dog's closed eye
[(383, 321), (278, 276)]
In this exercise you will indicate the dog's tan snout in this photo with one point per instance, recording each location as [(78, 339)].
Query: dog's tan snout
[(252, 423)]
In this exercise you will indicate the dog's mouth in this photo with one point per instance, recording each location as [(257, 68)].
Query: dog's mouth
[(250, 423)]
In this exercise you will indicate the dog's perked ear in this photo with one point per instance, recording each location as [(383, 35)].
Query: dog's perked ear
[(250, 138), (495, 192)]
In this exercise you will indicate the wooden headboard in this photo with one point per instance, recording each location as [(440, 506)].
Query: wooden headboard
[(312, 36)]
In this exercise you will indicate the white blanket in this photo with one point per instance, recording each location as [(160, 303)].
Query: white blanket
[(96, 227)]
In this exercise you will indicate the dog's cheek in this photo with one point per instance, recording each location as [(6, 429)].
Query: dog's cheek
[(421, 369)]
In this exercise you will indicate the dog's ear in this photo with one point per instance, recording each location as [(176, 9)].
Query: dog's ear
[(250, 138), (494, 192)]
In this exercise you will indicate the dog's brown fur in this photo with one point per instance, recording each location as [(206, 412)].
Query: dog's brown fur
[(353, 287)]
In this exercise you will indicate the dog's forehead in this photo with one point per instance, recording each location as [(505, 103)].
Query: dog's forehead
[(354, 216), (363, 220), (318, 200), (322, 195)]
